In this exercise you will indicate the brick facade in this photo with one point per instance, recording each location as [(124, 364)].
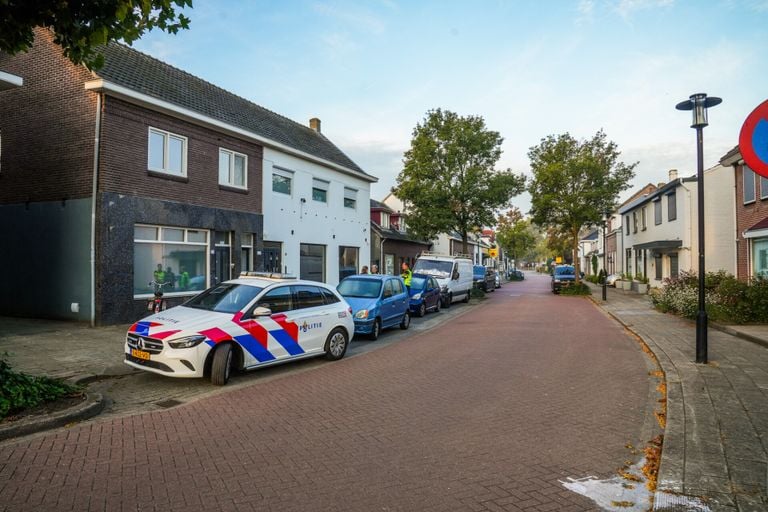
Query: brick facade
[(47, 126), (747, 215)]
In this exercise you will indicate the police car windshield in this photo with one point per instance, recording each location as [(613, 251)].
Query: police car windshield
[(362, 288), (224, 298), (433, 267)]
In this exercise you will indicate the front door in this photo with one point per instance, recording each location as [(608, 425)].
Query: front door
[(271, 257), (222, 257)]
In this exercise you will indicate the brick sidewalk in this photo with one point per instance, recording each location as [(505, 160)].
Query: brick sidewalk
[(716, 439)]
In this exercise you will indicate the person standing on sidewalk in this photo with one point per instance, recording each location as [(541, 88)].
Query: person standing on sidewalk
[(407, 275)]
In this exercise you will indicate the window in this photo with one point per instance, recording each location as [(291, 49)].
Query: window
[(629, 261), (760, 257), (329, 296), (312, 262), (388, 289), (308, 296), (350, 198), (657, 263), (278, 300), (167, 152), (671, 206), (749, 185), (319, 190), (763, 188), (246, 252), (643, 216), (348, 261), (225, 298), (657, 211), (634, 222), (626, 223), (385, 220), (282, 181), (233, 169), (176, 256), (673, 265)]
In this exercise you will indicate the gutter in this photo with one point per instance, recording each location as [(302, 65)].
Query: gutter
[(94, 190), (124, 93)]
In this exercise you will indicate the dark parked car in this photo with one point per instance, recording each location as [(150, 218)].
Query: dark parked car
[(425, 294), (562, 276), (483, 278), (515, 275)]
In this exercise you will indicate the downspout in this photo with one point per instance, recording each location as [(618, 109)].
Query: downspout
[(94, 190), (381, 255)]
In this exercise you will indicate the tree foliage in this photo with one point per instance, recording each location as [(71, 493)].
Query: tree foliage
[(81, 26), (575, 182), (448, 181), (515, 235)]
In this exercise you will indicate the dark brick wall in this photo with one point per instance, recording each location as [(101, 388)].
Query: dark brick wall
[(746, 216), (47, 127), (123, 160)]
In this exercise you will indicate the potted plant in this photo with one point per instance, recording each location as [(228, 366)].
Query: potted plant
[(642, 283), (626, 281)]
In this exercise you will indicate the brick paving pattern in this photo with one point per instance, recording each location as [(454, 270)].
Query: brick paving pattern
[(487, 412), (716, 440)]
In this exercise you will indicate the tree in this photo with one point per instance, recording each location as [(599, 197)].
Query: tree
[(448, 181), (515, 235), (81, 26), (575, 182)]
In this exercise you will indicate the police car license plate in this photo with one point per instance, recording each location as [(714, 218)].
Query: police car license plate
[(140, 354)]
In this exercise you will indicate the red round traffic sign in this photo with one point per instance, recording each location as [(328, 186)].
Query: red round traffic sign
[(753, 140)]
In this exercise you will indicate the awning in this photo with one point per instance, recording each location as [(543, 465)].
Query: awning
[(660, 244), (759, 230)]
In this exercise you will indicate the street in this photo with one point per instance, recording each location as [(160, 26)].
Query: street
[(491, 410)]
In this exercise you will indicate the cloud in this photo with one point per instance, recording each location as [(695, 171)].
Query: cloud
[(626, 8)]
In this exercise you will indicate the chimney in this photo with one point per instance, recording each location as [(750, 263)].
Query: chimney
[(672, 173), (314, 123), (661, 184)]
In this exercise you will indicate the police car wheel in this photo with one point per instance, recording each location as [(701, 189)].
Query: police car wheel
[(221, 368), (406, 321), (376, 330), (336, 345)]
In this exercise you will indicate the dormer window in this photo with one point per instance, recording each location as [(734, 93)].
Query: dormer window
[(385, 220)]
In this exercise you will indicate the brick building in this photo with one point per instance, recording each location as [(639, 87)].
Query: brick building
[(110, 176), (391, 244), (751, 217)]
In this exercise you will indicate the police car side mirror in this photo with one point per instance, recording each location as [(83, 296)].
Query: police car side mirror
[(261, 311)]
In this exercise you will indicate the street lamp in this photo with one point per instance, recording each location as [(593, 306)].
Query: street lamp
[(698, 104)]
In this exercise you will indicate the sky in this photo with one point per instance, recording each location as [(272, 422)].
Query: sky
[(372, 69)]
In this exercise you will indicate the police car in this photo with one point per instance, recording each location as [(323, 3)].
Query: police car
[(254, 321)]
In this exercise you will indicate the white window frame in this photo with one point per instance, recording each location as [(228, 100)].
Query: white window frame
[(318, 184), (385, 220), (231, 170), (159, 240), (752, 173), (763, 180), (350, 194), (166, 138), (284, 173)]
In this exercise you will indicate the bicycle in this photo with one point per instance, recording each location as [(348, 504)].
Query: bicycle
[(157, 303)]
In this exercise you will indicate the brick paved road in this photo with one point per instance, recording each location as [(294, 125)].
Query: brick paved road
[(487, 412)]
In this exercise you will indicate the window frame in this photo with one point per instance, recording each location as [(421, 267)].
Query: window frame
[(285, 174), (747, 170), (350, 194), (166, 143), (672, 205), (185, 242), (315, 187), (657, 213), (231, 171), (626, 219), (763, 180), (634, 221)]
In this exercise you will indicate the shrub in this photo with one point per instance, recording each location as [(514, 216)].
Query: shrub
[(727, 299), (19, 391), (576, 289)]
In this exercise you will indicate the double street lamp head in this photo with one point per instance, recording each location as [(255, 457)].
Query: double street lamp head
[(698, 104)]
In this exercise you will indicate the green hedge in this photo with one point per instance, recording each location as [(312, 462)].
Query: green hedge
[(728, 300), (19, 391), (576, 289)]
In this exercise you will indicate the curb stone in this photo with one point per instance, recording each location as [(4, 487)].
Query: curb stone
[(93, 404)]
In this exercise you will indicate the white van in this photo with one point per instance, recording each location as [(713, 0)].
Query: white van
[(453, 273)]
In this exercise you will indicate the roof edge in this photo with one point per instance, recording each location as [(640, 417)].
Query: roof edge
[(144, 100)]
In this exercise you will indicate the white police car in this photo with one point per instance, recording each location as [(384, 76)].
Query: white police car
[(254, 321)]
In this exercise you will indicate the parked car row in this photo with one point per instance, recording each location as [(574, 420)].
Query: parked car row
[(262, 319)]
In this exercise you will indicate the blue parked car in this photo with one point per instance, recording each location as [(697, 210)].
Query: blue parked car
[(378, 302), (425, 294)]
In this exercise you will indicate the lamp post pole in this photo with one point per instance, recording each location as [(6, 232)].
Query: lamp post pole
[(605, 268), (698, 104)]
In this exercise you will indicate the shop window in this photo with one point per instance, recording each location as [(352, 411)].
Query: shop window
[(312, 262), (176, 256), (348, 261)]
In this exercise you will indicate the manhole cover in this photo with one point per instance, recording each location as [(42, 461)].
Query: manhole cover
[(167, 404)]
